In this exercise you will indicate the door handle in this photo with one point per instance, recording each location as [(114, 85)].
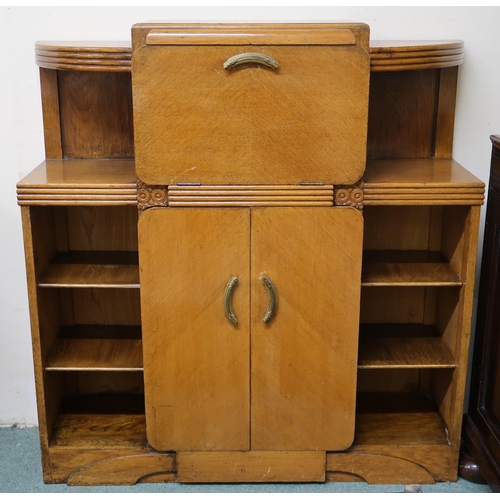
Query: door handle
[(273, 299), (228, 306), (250, 57)]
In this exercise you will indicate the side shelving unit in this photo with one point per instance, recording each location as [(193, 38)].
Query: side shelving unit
[(417, 284), (84, 284)]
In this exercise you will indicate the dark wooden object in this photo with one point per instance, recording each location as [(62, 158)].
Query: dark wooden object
[(482, 423)]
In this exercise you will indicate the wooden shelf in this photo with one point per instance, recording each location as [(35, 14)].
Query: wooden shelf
[(398, 420), (402, 346), (95, 355), (80, 182), (420, 181), (92, 270), (98, 431), (101, 422), (412, 268)]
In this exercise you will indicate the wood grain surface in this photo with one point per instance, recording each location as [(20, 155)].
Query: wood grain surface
[(304, 360), (244, 119), (197, 363), (96, 355), (253, 466)]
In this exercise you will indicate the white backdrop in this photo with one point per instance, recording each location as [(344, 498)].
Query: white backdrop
[(477, 117)]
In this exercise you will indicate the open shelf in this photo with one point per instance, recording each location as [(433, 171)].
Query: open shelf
[(407, 268), (95, 355), (101, 422), (398, 419), (402, 346), (100, 269)]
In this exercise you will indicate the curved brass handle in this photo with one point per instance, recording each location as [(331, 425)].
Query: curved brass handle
[(273, 300), (251, 57), (228, 307)]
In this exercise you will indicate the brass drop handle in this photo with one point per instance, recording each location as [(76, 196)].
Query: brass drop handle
[(273, 299), (228, 306), (251, 57)]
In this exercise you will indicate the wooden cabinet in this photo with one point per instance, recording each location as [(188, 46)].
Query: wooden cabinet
[(284, 376), (332, 198)]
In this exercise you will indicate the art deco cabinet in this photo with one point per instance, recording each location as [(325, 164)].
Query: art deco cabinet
[(250, 257)]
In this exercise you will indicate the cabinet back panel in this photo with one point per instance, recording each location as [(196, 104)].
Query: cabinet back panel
[(402, 114), (394, 380), (102, 228), (105, 306), (393, 304), (396, 228), (96, 114)]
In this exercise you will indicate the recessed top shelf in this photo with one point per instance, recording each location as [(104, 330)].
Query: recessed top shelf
[(407, 268), (402, 346), (92, 270)]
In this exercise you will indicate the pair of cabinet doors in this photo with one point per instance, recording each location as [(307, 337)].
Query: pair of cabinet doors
[(218, 382)]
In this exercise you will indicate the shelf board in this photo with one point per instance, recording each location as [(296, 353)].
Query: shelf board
[(397, 420), (393, 346), (407, 268), (92, 270), (100, 431), (80, 182), (420, 181), (101, 421), (95, 355)]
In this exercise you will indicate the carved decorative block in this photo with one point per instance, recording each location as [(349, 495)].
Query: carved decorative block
[(352, 196), (151, 196)]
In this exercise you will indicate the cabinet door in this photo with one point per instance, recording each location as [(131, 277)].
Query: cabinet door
[(304, 360), (305, 120), (196, 362)]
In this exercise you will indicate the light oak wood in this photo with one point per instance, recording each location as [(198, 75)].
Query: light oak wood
[(277, 195), (381, 352), (96, 114), (253, 466), (104, 306), (91, 276), (387, 471), (197, 363), (409, 274), (51, 116), (96, 355), (415, 55), (116, 56), (409, 429), (420, 209), (323, 134), (304, 359), (264, 35), (87, 56), (76, 182), (124, 470), (99, 431)]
